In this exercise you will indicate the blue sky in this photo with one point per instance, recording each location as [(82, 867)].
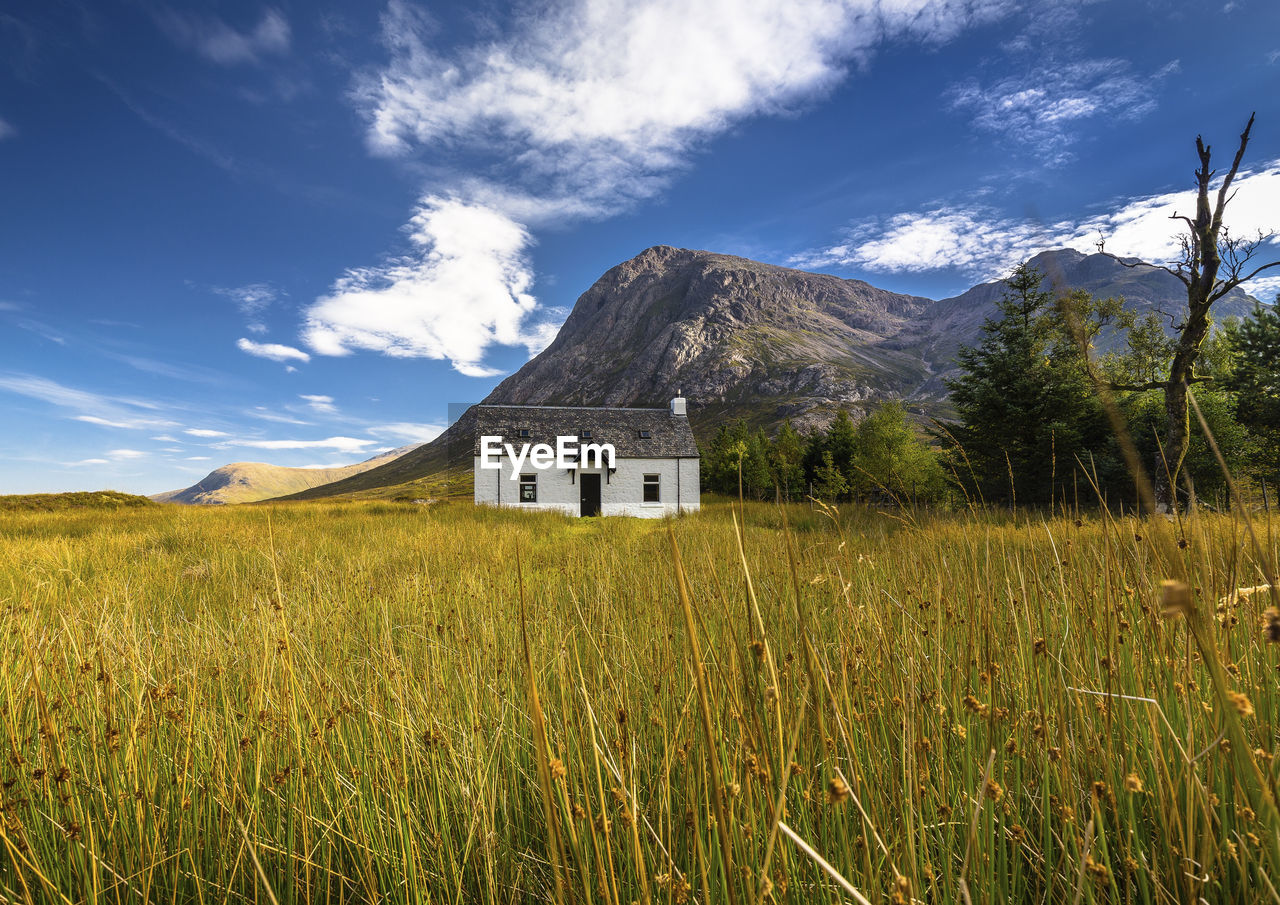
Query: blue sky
[(296, 233)]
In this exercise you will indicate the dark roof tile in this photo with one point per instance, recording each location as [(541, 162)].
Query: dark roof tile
[(669, 435)]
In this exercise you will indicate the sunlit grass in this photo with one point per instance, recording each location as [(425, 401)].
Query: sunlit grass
[(332, 703)]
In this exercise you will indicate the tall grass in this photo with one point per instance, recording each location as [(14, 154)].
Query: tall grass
[(336, 703)]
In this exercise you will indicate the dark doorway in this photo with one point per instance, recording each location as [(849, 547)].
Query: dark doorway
[(590, 487)]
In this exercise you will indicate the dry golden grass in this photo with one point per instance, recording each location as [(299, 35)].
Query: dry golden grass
[(334, 703)]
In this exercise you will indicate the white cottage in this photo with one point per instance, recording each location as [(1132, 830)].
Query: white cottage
[(654, 471)]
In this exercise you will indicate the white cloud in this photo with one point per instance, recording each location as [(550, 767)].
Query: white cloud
[(1043, 108), (322, 404), (579, 111), (342, 444), (407, 432), (106, 422), (601, 98), (6, 130), (93, 408), (980, 242), (1265, 288), (217, 41), (197, 458), (118, 454), (87, 462), (253, 300), (466, 288), (273, 351), (204, 432), (265, 414)]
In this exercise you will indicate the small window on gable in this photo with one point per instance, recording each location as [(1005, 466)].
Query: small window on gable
[(644, 435), (651, 488), (524, 433), (528, 488), (585, 433)]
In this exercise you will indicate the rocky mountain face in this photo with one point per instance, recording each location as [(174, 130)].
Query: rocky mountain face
[(744, 339), (248, 482), (734, 335)]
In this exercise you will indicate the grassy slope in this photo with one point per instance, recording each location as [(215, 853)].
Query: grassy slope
[(57, 502), (341, 685)]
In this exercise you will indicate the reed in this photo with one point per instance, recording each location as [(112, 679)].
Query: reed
[(372, 702)]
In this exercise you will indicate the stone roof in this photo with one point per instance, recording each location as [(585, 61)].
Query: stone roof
[(669, 435)]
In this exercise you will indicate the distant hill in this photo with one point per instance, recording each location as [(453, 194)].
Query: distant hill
[(743, 339), (248, 482)]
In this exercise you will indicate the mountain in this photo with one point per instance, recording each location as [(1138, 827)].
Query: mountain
[(956, 321), (248, 482), (738, 337), (744, 339)]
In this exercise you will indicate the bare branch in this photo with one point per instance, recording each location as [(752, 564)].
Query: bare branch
[(1258, 271), (1133, 264), (1231, 174)]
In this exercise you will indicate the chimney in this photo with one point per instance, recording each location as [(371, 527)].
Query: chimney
[(677, 405)]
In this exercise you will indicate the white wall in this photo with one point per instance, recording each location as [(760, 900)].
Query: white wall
[(621, 493)]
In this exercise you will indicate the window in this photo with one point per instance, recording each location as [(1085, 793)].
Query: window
[(524, 433), (528, 488), (585, 434), (644, 435), (651, 494)]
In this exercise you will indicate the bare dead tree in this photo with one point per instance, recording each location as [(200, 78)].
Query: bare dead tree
[(1213, 262)]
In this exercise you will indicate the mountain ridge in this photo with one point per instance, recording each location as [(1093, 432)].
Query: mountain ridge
[(251, 482)]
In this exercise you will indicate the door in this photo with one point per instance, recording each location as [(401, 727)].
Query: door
[(589, 485)]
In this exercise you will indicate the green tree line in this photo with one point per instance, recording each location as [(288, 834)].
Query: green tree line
[(881, 458), (1033, 423)]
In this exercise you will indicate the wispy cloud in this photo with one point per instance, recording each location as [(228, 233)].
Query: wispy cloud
[(273, 351), (979, 242), (122, 454), (91, 408), (342, 444), (83, 462), (1043, 109), (192, 373), (204, 432), (407, 432), (578, 112), (6, 130), (217, 41), (253, 300), (322, 404), (265, 414)]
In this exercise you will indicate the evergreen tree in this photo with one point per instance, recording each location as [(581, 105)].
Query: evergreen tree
[(829, 482), (721, 458), (1255, 382), (757, 478), (841, 442), (1026, 404), (787, 461)]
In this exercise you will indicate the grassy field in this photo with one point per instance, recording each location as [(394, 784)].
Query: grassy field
[(336, 702)]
